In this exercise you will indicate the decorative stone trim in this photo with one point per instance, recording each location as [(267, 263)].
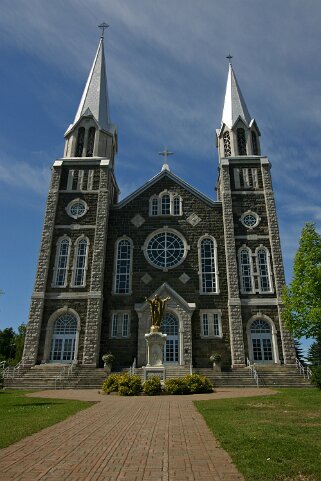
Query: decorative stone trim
[(193, 219), (137, 220)]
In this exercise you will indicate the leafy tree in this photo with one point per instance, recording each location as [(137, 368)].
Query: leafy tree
[(302, 298), (314, 353), (19, 342), (7, 344)]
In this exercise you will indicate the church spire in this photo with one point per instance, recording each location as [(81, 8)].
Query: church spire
[(234, 104), (94, 99)]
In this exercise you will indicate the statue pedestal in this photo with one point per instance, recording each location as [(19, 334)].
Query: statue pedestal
[(155, 354)]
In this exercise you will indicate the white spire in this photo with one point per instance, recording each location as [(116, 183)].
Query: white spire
[(94, 99), (234, 104)]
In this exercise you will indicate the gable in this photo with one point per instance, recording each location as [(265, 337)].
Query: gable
[(156, 183)]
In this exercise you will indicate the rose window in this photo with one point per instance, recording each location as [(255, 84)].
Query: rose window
[(165, 250)]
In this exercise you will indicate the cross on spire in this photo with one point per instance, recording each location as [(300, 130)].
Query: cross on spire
[(103, 26), (165, 154), (229, 56)]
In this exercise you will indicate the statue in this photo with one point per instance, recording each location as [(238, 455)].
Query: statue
[(157, 308)]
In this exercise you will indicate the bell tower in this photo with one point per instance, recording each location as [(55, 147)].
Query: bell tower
[(252, 242), (69, 278)]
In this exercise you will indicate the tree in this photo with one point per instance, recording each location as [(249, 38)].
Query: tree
[(7, 344), (19, 342), (298, 351), (302, 298), (314, 353)]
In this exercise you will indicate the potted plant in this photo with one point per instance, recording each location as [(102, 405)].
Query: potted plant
[(216, 359), (108, 361)]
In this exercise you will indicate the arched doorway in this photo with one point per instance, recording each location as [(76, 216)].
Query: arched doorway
[(261, 341), (170, 326), (64, 339)]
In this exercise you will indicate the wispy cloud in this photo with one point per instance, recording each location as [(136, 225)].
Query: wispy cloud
[(22, 175)]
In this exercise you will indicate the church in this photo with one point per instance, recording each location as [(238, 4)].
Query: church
[(101, 259)]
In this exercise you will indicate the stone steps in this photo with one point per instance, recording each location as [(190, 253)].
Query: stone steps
[(44, 377)]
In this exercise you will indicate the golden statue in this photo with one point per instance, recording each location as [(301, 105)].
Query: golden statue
[(157, 308)]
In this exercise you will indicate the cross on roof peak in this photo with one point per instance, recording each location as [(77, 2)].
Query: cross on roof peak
[(229, 57), (165, 153)]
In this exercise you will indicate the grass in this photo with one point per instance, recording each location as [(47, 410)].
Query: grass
[(273, 438), (21, 416)]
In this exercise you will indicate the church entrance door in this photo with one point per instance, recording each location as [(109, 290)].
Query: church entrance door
[(64, 339), (170, 326), (261, 338)]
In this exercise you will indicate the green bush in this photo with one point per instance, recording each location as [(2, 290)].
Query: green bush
[(152, 386), (198, 384), (111, 383), (316, 376), (129, 385), (176, 386)]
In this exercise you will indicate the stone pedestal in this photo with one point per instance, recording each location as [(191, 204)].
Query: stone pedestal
[(155, 348), (155, 354)]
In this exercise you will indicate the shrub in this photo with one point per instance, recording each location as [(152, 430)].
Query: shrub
[(216, 357), (316, 376), (176, 386), (111, 383), (198, 384), (129, 385), (152, 386), (108, 358)]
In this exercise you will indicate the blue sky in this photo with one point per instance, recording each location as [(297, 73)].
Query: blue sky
[(166, 70)]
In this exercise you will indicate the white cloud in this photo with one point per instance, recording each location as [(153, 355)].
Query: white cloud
[(22, 175)]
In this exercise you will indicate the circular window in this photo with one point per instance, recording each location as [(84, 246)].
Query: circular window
[(250, 219), (165, 250), (77, 208)]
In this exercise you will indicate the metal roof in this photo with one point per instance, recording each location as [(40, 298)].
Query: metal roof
[(234, 104)]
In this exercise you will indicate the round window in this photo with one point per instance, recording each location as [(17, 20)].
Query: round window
[(165, 250), (77, 208), (250, 219)]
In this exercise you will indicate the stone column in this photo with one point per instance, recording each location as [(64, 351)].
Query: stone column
[(37, 300), (94, 307), (276, 254), (234, 302)]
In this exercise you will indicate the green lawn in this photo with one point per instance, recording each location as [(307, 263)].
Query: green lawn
[(21, 416), (277, 437)]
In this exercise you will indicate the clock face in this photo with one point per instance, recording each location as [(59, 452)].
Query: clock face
[(165, 250)]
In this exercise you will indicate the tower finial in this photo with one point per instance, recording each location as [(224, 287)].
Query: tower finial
[(229, 56), (165, 154), (103, 26)]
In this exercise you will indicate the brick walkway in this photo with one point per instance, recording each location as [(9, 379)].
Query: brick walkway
[(123, 439)]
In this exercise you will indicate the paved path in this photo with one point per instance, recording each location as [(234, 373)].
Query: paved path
[(125, 439)]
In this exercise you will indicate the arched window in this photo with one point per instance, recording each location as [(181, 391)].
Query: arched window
[(208, 269), (80, 142), (80, 262), (261, 340), (241, 141), (165, 204), (90, 142), (227, 144), (254, 144), (176, 205), (154, 206), (123, 266), (61, 264), (170, 326), (246, 274), (263, 268), (64, 339)]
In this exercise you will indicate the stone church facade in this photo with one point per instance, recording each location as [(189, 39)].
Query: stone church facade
[(219, 261)]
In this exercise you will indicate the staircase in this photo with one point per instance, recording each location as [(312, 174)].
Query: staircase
[(236, 378), (280, 376), (57, 376)]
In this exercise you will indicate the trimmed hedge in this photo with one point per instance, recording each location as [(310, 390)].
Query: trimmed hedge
[(111, 383), (191, 384)]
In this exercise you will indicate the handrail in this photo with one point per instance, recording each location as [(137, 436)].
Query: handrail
[(132, 369), (11, 371), (3, 365), (253, 371), (190, 368), (305, 371), (64, 374)]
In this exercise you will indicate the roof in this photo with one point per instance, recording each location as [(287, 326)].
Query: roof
[(175, 178), (234, 104), (94, 100)]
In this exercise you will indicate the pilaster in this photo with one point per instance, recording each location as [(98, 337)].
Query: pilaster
[(234, 303), (37, 302), (276, 253), (94, 309)]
